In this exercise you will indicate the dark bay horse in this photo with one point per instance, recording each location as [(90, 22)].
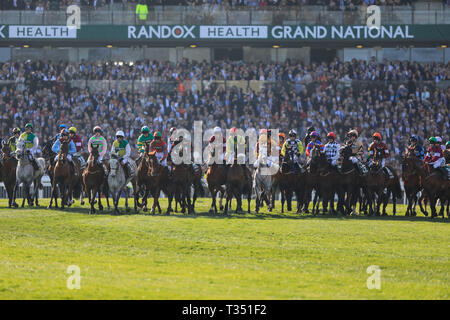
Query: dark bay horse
[(8, 173), (62, 177), (216, 178), (290, 180), (181, 182), (412, 184), (235, 185), (93, 178), (160, 181)]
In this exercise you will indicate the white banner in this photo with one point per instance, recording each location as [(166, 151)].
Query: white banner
[(42, 32), (233, 32)]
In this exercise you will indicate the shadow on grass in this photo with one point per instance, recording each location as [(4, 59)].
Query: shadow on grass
[(77, 209)]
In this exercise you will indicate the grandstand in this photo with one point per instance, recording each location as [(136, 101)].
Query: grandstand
[(278, 64)]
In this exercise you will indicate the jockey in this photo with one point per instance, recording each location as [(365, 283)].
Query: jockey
[(357, 151), (31, 144), (447, 153), (64, 136), (331, 149), (145, 137), (78, 145), (315, 141), (264, 138), (308, 135), (56, 137), (293, 147), (435, 156), (13, 139), (98, 140), (379, 151), (281, 140), (232, 145), (212, 143), (159, 146), (415, 147), (122, 149)]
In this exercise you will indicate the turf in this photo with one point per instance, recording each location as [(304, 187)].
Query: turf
[(242, 256)]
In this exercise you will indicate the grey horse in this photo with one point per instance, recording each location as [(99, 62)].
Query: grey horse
[(262, 180), (117, 182), (26, 174)]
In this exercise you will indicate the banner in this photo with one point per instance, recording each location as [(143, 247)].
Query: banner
[(277, 33)]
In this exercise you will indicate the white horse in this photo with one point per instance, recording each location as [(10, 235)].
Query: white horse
[(263, 182), (26, 174), (117, 182)]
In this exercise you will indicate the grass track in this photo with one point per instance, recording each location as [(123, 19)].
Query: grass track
[(270, 256)]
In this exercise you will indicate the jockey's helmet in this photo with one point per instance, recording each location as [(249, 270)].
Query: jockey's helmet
[(233, 130), (29, 125), (64, 132), (16, 130), (413, 137), (331, 135), (447, 144), (433, 140), (377, 135), (72, 130), (263, 131), (97, 129), (145, 129), (292, 133), (172, 130), (217, 130), (120, 134), (62, 126), (353, 133), (314, 134), (157, 134), (438, 139), (311, 129), (282, 135)]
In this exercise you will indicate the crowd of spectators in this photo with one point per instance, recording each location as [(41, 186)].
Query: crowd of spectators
[(398, 105), (39, 5)]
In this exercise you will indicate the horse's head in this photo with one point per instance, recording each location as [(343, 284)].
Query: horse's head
[(94, 154), (20, 150), (47, 152), (6, 150)]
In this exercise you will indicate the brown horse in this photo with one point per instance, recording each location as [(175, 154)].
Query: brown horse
[(181, 182), (236, 185), (93, 178), (287, 181), (216, 178), (412, 184), (8, 173), (434, 185), (196, 174), (160, 182), (62, 177), (143, 179)]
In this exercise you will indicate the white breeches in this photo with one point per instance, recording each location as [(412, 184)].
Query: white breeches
[(354, 159), (159, 156), (438, 163), (69, 157)]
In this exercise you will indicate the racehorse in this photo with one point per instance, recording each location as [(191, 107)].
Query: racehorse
[(235, 183), (216, 178), (93, 178), (327, 180), (143, 178), (8, 173), (117, 183), (287, 181), (26, 174), (433, 184), (181, 182), (263, 183), (62, 177), (160, 181), (350, 184), (412, 184)]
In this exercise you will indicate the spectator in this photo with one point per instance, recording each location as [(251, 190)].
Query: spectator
[(142, 11)]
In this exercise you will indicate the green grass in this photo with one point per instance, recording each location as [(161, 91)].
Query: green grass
[(242, 256)]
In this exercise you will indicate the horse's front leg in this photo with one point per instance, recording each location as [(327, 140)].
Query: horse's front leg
[(99, 193), (213, 208)]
